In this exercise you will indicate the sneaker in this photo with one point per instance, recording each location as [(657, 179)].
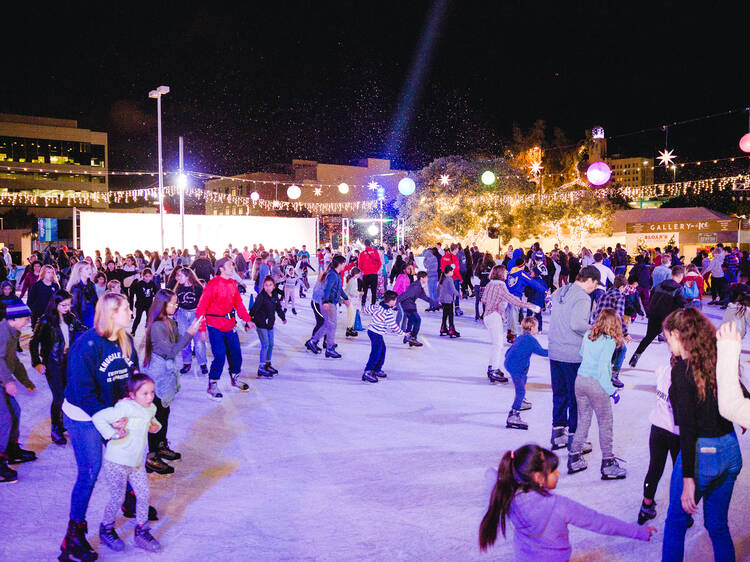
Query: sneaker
[(576, 463), (381, 374), (238, 383), (213, 391), (7, 474), (204, 369), (312, 346), (559, 439), (108, 537), (155, 464), (168, 454), (16, 455), (647, 512), (367, 376), (525, 405), (264, 372), (413, 342), (143, 539), (185, 369), (514, 421), (611, 470), (271, 369), (332, 353)]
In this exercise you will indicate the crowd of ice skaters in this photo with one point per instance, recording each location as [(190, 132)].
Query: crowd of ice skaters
[(84, 312)]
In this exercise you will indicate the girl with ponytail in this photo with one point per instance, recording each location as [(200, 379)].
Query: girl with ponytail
[(522, 493)]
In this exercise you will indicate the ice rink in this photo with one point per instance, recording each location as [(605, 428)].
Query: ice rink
[(316, 465)]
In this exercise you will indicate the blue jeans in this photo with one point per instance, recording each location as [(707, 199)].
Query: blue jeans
[(10, 415), (718, 463), (620, 269), (377, 352), (457, 285), (184, 318), (413, 323), (564, 405), (618, 357), (432, 284), (221, 343), (519, 382), (266, 344), (87, 448)]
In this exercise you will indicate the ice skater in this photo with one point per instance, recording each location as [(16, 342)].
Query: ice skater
[(447, 295), (353, 291), (383, 321), (263, 313), (123, 460), (517, 364), (291, 281), (522, 493)]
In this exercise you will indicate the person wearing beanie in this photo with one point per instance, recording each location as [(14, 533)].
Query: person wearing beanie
[(17, 316)]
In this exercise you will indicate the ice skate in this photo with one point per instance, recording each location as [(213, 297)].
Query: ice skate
[(263, 372), (185, 369), (204, 369), (294, 311), (576, 463), (238, 383), (270, 368), (143, 539), (312, 346), (413, 342), (616, 382), (108, 537), (168, 454), (16, 455), (75, 547), (454, 334), (585, 450), (367, 376), (634, 360), (496, 375), (213, 391), (647, 512), (155, 464), (559, 439), (525, 405), (380, 374), (514, 421), (57, 434), (331, 353), (611, 470), (443, 332), (7, 474), (128, 508)]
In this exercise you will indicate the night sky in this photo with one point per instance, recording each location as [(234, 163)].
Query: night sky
[(254, 85)]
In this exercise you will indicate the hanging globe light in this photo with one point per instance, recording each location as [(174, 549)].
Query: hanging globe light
[(598, 173), (488, 178), (254, 196), (745, 143), (373, 229), (343, 188), (293, 192), (406, 186)]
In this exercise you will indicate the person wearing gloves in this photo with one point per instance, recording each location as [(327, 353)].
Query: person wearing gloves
[(17, 316)]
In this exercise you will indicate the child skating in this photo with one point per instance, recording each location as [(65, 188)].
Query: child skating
[(594, 389), (383, 321), (291, 282), (447, 295), (522, 493), (517, 360), (352, 290), (123, 460)]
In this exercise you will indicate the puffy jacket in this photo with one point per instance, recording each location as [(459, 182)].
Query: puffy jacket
[(451, 259), (665, 298), (333, 291), (408, 299), (430, 264), (203, 269), (369, 261), (518, 279), (265, 309)]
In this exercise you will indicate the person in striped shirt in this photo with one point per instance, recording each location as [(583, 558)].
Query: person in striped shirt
[(383, 321)]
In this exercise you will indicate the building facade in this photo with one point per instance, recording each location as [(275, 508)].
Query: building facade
[(318, 183), (631, 172), (51, 156)]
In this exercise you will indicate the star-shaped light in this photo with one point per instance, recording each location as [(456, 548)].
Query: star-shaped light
[(373, 185), (536, 168), (318, 191), (666, 157), (445, 179)]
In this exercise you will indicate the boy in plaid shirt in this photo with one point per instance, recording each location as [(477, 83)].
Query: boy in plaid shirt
[(614, 298)]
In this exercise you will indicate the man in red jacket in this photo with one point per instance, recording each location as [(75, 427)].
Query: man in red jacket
[(219, 303), (451, 258), (369, 265)]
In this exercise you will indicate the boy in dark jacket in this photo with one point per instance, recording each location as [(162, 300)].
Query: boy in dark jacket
[(144, 291), (666, 298), (408, 302), (17, 315)]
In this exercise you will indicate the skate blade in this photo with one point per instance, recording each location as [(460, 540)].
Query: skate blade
[(577, 471), (613, 477), (515, 426)]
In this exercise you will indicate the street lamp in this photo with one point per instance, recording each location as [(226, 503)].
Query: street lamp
[(182, 182), (157, 94)]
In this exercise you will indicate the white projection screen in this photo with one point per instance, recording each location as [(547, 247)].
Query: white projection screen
[(126, 232)]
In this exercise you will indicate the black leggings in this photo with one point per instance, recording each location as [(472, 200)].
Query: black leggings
[(717, 287), (653, 330), (660, 442), (447, 323), (369, 281), (159, 439), (139, 311), (319, 318)]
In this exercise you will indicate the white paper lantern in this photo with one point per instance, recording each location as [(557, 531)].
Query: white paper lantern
[(255, 196), (406, 186), (343, 188), (293, 192), (373, 229)]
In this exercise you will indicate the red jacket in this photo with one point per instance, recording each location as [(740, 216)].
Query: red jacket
[(220, 297), (369, 261), (450, 259)]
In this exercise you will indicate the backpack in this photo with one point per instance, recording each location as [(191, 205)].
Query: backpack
[(690, 292)]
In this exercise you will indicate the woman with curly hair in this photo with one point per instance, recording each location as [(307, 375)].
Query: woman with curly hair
[(593, 390), (710, 458)]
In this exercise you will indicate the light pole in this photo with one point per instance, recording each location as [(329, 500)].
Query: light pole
[(182, 184), (157, 94)]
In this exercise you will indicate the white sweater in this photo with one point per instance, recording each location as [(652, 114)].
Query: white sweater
[(732, 404)]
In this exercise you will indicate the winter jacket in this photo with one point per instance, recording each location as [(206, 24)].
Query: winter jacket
[(98, 372), (642, 274), (203, 269), (130, 450), (430, 264), (10, 366), (518, 279), (661, 273), (383, 319), (451, 259), (446, 292), (47, 345), (84, 302), (264, 311), (220, 299), (369, 261), (408, 298), (541, 524), (665, 298), (333, 291), (402, 283), (569, 321), (732, 403), (596, 361), (39, 297)]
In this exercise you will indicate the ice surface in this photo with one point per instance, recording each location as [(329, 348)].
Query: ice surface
[(316, 465)]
